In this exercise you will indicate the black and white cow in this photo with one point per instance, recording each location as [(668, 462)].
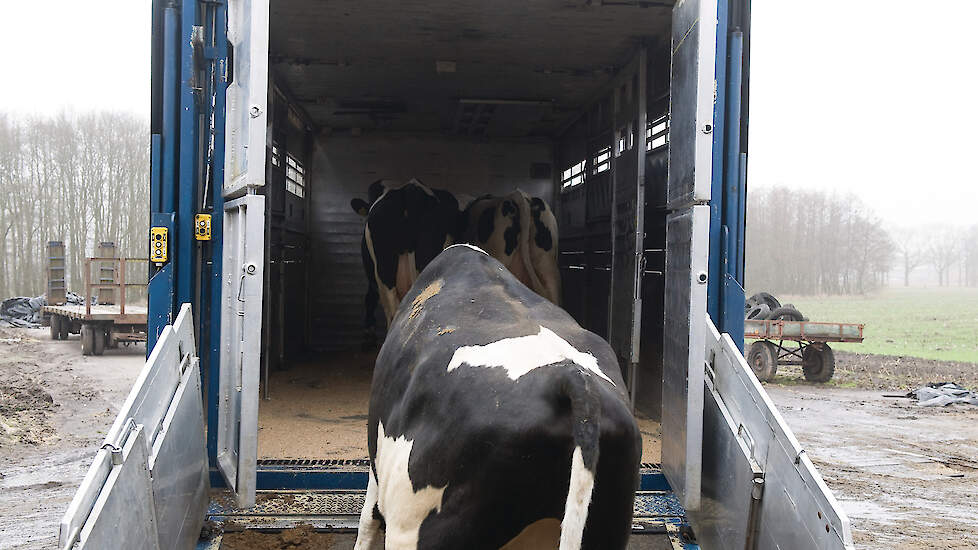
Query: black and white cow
[(495, 421), (407, 226), (520, 232)]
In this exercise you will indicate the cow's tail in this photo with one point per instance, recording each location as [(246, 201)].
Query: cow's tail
[(585, 409), (522, 201)]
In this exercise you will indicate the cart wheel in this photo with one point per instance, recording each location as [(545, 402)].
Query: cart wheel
[(818, 362), (763, 360), (56, 327), (88, 339), (100, 337), (110, 342)]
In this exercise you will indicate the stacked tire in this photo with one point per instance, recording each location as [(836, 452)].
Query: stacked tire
[(764, 306)]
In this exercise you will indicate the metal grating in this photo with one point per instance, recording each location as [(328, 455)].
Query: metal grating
[(648, 504), (291, 464), (657, 505)]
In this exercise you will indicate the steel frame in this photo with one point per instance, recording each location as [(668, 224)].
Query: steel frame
[(181, 99)]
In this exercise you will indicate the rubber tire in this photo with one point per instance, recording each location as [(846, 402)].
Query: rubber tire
[(88, 339), (764, 298), (818, 364), (65, 325), (762, 357), (100, 337), (786, 313), (758, 313), (56, 327)]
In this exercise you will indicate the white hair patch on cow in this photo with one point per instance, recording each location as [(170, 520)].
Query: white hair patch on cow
[(578, 501), (472, 246), (523, 354), (403, 508)]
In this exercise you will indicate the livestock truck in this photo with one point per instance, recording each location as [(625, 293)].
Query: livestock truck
[(629, 117)]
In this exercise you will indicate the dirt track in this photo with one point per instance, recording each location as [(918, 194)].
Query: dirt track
[(906, 475), (55, 406)]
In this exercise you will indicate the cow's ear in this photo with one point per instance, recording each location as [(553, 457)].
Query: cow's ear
[(360, 206)]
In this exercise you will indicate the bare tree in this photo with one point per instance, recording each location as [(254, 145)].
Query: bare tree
[(79, 179), (811, 242), (913, 252), (970, 259), (943, 251)]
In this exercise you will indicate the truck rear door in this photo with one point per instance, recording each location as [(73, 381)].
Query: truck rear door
[(243, 260), (736, 467)]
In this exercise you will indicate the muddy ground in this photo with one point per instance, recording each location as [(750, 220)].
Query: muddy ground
[(907, 475), (55, 407)]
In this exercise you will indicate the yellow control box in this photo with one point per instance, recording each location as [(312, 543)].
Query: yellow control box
[(202, 227), (157, 244)]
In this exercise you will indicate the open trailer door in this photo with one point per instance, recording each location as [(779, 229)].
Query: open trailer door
[(147, 487), (243, 247), (694, 30)]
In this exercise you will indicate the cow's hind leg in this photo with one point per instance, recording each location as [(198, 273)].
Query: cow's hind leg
[(368, 533)]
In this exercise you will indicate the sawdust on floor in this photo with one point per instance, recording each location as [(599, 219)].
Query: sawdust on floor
[(318, 410), (301, 537)]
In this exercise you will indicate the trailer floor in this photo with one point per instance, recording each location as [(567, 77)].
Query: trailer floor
[(318, 410), (329, 519), (303, 538)]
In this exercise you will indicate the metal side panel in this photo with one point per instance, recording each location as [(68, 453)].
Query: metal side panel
[(178, 464), (628, 220), (797, 510), (241, 326), (732, 481), (147, 406), (123, 515), (687, 246), (247, 96), (691, 99)]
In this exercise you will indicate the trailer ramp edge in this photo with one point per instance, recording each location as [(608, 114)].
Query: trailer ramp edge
[(148, 486), (760, 489)]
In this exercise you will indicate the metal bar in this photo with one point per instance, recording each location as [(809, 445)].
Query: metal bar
[(210, 337), (88, 286), (183, 241), (714, 300), (122, 286)]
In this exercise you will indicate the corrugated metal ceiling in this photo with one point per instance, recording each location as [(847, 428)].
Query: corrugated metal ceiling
[(375, 64)]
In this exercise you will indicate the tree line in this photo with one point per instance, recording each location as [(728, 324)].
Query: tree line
[(80, 179), (816, 242)]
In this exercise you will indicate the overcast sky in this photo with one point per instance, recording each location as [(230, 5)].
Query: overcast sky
[(877, 97)]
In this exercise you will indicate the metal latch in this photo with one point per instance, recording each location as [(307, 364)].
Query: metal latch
[(115, 447)]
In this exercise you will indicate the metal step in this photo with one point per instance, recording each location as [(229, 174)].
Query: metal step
[(655, 513)]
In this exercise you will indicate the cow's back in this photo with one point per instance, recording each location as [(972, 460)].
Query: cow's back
[(496, 441)]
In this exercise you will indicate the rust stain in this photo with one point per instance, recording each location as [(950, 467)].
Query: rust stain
[(428, 292)]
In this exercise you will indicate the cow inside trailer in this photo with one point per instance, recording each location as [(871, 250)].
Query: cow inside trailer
[(473, 98)]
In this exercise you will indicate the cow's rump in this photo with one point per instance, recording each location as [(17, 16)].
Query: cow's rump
[(489, 406)]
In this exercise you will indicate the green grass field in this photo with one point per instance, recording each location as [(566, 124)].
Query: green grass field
[(932, 323)]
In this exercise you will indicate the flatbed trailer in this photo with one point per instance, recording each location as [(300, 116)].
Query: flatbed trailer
[(811, 351), (101, 326)]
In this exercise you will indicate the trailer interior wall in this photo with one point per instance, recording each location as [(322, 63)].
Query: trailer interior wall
[(474, 98), (343, 166)]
